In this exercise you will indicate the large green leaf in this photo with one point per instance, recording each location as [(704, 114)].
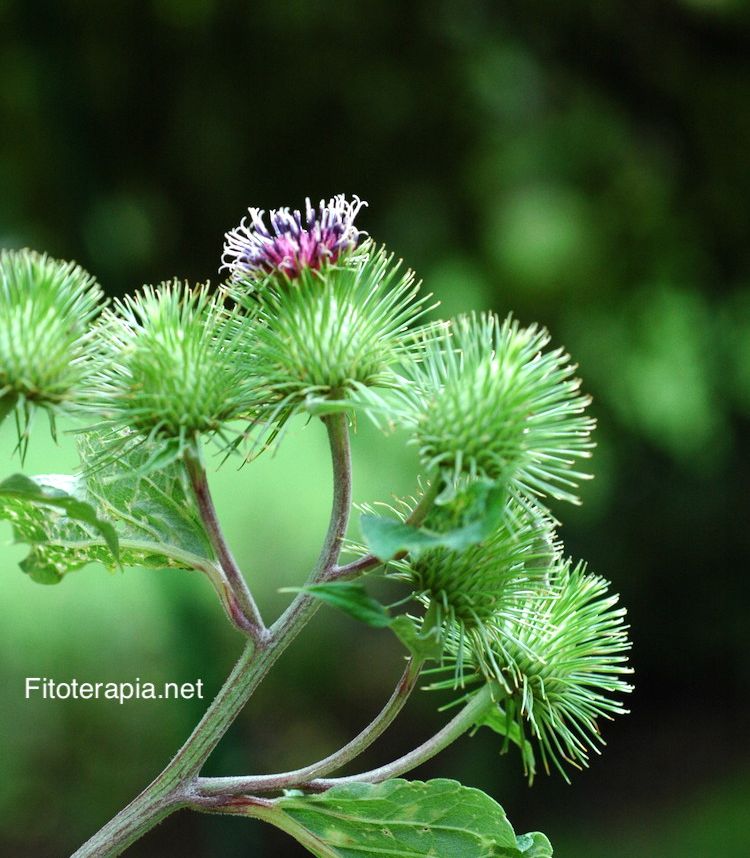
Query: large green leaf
[(399, 818), (386, 537), (148, 520)]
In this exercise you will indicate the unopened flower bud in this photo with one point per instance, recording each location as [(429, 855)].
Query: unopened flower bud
[(489, 402), (174, 365), (46, 309)]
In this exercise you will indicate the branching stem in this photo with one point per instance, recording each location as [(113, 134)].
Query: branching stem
[(369, 561), (286, 780), (262, 808), (240, 603), (173, 788), (454, 729)]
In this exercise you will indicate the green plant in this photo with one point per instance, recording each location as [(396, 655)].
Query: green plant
[(315, 318)]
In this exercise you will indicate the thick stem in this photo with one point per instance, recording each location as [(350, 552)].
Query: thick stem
[(360, 743), (369, 561), (171, 789), (240, 603)]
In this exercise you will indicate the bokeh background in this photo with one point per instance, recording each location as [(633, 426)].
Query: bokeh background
[(584, 165)]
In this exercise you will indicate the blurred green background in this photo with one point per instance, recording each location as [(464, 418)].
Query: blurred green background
[(584, 165)]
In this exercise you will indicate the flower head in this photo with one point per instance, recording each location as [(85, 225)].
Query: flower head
[(475, 585), (173, 366), (562, 665), (329, 338), (46, 309), (488, 401), (471, 592), (294, 241)]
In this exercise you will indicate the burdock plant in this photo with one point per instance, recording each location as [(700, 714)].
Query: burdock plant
[(315, 318)]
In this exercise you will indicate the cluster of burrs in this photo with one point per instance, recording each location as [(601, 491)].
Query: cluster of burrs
[(314, 318)]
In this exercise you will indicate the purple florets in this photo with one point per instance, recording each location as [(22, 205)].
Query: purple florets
[(293, 242)]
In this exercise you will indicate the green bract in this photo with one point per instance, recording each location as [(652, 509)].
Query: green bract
[(174, 366), (487, 401), (329, 334), (562, 660), (46, 308)]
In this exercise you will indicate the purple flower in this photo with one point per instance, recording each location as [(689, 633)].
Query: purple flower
[(293, 242)]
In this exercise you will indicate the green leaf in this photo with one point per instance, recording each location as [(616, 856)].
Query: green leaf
[(70, 521), (400, 818), (22, 498), (534, 845), (7, 403), (483, 508), (422, 644), (497, 719), (156, 507), (353, 599), (23, 489), (349, 597)]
